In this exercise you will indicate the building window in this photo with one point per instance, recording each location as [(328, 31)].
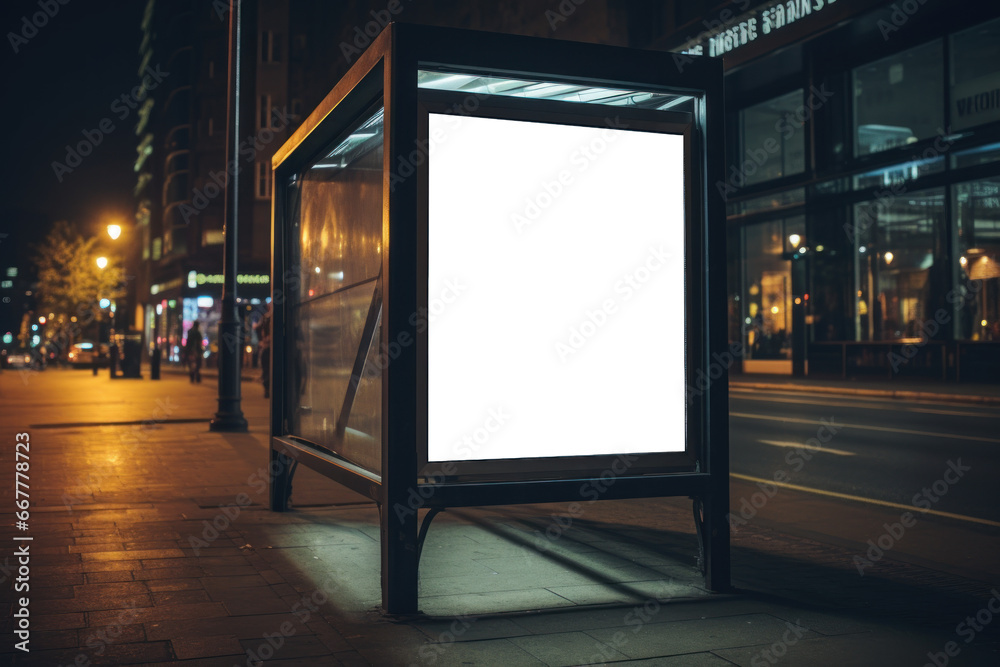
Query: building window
[(767, 287), (157, 248), (975, 76), (772, 141), (894, 262), (264, 112), (269, 47), (263, 180), (898, 100), (977, 210)]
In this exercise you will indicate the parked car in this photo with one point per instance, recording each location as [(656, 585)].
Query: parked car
[(17, 358), (81, 355)]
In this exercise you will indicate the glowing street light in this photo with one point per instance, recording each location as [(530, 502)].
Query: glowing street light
[(888, 258), (102, 262), (793, 240), (114, 231)]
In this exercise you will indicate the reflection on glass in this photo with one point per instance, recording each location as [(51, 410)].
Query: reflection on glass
[(975, 76), (898, 100), (336, 209), (767, 288), (549, 90), (772, 143), (894, 261), (977, 206), (898, 174)]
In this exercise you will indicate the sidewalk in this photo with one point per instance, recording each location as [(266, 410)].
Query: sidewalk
[(904, 389), (152, 544)]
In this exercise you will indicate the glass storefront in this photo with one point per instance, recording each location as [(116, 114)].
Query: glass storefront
[(772, 143), (897, 100), (767, 292), (894, 256), (977, 291)]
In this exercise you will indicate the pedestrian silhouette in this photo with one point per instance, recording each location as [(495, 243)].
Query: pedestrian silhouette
[(193, 353)]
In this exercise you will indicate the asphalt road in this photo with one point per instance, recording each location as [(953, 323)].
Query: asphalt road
[(877, 449)]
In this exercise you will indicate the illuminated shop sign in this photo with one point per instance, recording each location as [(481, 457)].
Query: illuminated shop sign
[(242, 279), (739, 31)]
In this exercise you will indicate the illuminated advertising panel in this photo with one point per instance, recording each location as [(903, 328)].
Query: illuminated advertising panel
[(556, 292)]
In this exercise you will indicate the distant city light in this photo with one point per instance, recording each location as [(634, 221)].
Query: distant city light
[(42, 320), (8, 338), (984, 323), (104, 303), (114, 231), (34, 327), (102, 262), (888, 257), (205, 302), (794, 239)]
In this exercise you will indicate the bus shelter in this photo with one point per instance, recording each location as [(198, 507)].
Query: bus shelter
[(499, 278)]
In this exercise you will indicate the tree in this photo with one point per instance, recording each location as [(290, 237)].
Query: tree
[(70, 284)]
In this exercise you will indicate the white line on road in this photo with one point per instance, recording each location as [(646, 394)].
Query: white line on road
[(814, 448), (814, 422), (871, 501), (864, 403)]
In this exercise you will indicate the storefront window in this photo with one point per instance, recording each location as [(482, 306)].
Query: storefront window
[(894, 259), (977, 210), (767, 285), (975, 76), (772, 143), (897, 100)]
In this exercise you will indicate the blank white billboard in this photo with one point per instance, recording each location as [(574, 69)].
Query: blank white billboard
[(555, 323)]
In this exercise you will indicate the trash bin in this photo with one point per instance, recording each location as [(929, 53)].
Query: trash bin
[(130, 351)]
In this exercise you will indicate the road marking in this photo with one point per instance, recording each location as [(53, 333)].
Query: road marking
[(814, 448), (864, 403), (871, 501), (814, 422)]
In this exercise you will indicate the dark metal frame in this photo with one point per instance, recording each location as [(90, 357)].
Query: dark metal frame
[(388, 70)]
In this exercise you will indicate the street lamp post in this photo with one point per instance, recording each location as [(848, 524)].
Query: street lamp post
[(229, 416)]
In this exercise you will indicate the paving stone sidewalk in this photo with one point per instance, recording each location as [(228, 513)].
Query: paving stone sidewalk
[(152, 545)]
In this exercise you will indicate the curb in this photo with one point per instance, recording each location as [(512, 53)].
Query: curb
[(885, 393)]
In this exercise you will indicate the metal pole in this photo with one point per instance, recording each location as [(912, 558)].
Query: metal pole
[(230, 415)]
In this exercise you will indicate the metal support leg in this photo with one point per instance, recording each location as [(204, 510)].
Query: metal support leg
[(281, 481), (424, 526)]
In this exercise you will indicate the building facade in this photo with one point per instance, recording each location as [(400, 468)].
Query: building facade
[(863, 182)]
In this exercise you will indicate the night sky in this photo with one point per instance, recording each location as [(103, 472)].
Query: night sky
[(60, 83)]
